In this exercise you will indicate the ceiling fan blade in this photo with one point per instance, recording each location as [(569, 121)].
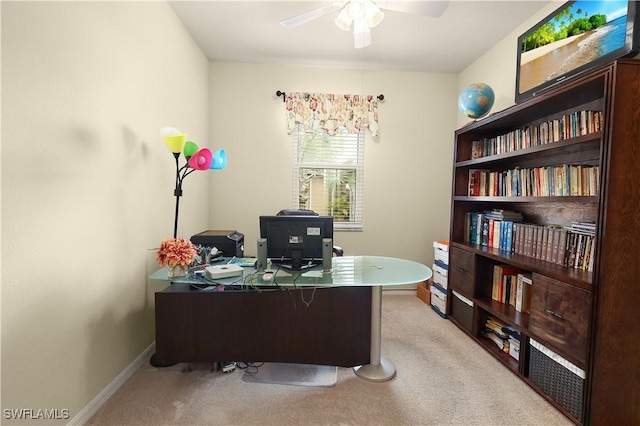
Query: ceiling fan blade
[(312, 14), (432, 8)]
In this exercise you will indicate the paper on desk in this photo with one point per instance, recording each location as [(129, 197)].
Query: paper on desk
[(281, 273)]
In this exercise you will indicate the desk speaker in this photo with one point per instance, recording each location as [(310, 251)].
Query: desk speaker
[(262, 254), (327, 253)]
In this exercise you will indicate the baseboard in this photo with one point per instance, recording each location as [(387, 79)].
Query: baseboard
[(412, 287), (92, 408)]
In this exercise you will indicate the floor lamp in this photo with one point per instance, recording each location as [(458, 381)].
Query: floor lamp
[(195, 159)]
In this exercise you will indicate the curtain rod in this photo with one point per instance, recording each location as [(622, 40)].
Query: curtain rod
[(284, 96)]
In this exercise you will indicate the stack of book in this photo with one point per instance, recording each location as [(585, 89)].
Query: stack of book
[(588, 228), (501, 214), (494, 333), (514, 341)]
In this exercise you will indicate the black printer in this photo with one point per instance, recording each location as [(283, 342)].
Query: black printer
[(230, 243)]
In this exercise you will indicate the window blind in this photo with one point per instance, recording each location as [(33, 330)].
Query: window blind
[(328, 175)]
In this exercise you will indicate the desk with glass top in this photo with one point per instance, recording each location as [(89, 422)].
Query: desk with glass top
[(306, 317)]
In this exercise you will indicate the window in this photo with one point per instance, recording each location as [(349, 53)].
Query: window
[(328, 175)]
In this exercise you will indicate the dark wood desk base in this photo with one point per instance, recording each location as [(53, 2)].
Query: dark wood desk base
[(266, 326)]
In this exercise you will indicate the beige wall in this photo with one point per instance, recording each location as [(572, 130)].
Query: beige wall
[(87, 182), (497, 67), (407, 168), (87, 188)]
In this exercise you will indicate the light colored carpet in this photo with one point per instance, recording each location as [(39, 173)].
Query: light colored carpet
[(443, 378), (293, 374)]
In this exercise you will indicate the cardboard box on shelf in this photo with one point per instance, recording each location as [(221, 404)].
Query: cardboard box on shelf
[(423, 291), (441, 252)]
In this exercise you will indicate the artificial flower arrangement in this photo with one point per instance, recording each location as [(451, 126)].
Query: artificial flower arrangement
[(177, 254)]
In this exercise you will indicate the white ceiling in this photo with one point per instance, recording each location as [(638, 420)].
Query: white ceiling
[(249, 31)]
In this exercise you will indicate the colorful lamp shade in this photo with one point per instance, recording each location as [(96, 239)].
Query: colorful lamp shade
[(176, 142), (201, 160), (219, 160), (189, 149)]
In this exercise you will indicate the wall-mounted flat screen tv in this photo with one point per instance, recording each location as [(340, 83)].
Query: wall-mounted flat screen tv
[(577, 37)]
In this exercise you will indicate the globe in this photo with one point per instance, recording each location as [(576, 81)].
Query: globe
[(476, 100)]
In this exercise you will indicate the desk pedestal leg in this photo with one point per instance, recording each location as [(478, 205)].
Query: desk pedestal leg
[(378, 369)]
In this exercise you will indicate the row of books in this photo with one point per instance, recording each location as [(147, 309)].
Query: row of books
[(569, 126), (512, 286), (563, 180), (506, 338), (571, 246), (480, 228), (566, 246)]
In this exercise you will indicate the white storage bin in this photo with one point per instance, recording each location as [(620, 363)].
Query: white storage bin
[(439, 301), (441, 256), (440, 276), (441, 252)]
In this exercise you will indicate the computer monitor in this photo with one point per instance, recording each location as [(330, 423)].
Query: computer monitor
[(295, 242)]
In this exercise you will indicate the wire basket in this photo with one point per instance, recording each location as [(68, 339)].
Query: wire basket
[(462, 311), (558, 381)]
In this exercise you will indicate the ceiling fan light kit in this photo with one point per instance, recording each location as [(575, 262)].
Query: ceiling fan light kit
[(365, 14), (373, 13), (343, 21), (361, 34)]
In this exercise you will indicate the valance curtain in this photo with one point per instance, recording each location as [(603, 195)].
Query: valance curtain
[(328, 112)]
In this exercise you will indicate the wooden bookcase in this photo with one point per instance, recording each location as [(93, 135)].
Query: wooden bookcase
[(589, 318)]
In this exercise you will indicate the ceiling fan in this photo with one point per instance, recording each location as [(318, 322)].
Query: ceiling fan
[(366, 14)]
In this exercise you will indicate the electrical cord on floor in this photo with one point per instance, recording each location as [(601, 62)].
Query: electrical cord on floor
[(249, 367), (228, 366)]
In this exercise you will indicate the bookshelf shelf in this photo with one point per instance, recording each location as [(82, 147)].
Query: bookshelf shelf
[(525, 200), (577, 277), (586, 144), (505, 312), (571, 256), (506, 359)]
